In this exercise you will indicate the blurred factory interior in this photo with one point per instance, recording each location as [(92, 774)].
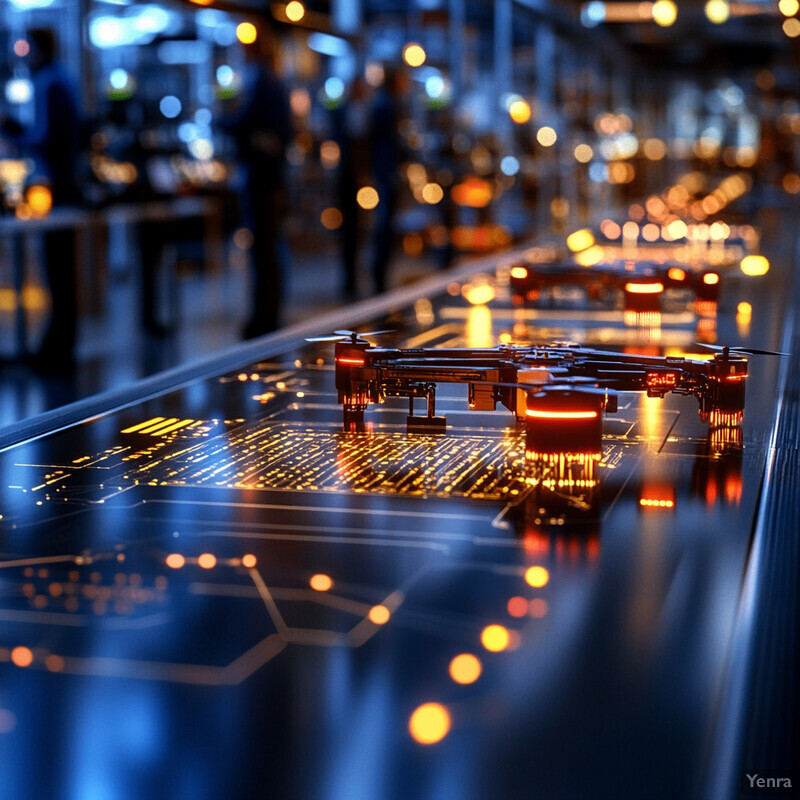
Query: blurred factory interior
[(402, 137)]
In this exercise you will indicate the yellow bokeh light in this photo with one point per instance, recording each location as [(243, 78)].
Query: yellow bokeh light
[(789, 7), (580, 240), (546, 136), (246, 32), (479, 295), (207, 561), (249, 560), (175, 560), (791, 27), (429, 723), (22, 656), (432, 193), (40, 200), (665, 12), (367, 197), (414, 55), (744, 310), (465, 668), (718, 11), (495, 638), (295, 11), (379, 615), (588, 258), (520, 111), (583, 153), (320, 582), (537, 577), (754, 265)]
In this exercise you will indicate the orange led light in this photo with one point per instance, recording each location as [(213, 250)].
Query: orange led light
[(320, 582), (711, 278), (22, 656), (644, 288), (207, 560), (359, 362), (676, 274), (519, 272), (735, 377), (560, 414), (649, 502), (379, 615), (175, 560)]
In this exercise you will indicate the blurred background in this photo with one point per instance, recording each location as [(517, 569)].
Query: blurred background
[(177, 176)]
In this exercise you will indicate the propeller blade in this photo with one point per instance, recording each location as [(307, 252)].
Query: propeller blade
[(377, 333), (756, 352), (739, 349)]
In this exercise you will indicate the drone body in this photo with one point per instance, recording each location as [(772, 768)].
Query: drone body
[(559, 392), (641, 282)]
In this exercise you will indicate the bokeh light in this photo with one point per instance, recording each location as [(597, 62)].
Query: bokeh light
[(495, 638), (465, 668), (429, 723), (246, 32)]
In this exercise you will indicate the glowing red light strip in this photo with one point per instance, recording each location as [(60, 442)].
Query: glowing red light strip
[(356, 361), (561, 414)]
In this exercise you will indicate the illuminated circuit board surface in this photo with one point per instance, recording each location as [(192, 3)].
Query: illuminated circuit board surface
[(217, 592)]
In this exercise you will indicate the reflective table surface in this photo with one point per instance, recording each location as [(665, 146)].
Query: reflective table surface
[(217, 592)]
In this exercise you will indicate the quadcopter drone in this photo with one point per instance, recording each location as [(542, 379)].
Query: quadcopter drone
[(642, 282), (558, 392)]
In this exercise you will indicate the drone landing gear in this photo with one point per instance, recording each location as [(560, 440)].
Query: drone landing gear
[(427, 424), (353, 418)]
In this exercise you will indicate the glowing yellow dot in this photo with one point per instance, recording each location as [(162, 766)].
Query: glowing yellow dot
[(520, 111), (744, 310), (175, 560), (367, 197), (414, 55), (665, 12), (246, 32), (432, 193), (580, 240), (537, 577), (331, 218), (295, 11), (207, 561), (40, 200), (465, 668), (755, 265), (495, 638), (718, 11), (321, 583), (429, 723), (379, 615), (791, 27), (583, 153), (249, 560), (22, 656), (789, 7), (546, 136)]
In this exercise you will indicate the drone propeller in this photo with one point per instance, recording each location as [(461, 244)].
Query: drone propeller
[(347, 334), (752, 351)]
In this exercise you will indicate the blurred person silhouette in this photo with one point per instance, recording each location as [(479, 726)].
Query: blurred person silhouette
[(349, 129), (387, 155), (53, 140), (261, 128)]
